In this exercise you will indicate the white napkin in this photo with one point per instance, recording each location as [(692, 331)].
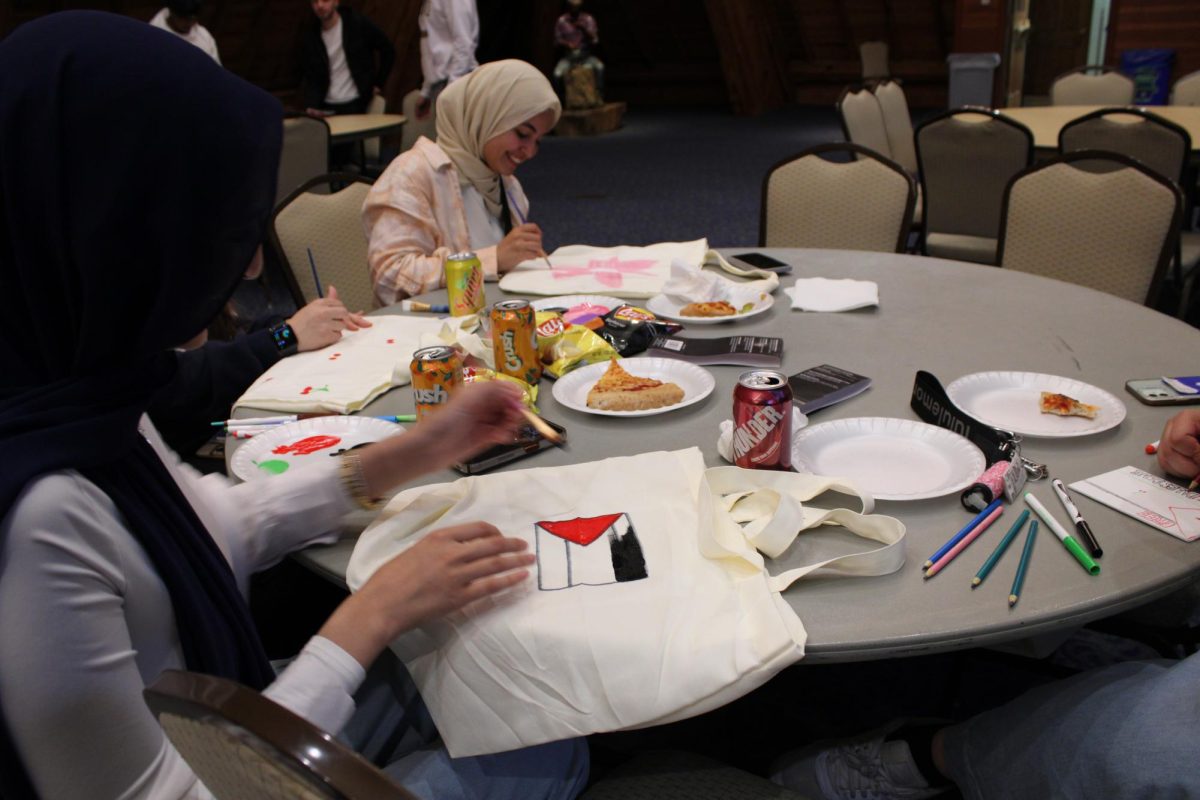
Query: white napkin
[(725, 437), (826, 294), (346, 375), (689, 284)]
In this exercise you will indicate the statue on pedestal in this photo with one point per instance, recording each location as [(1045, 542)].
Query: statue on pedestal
[(579, 75)]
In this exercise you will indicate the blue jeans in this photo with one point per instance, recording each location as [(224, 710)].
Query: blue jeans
[(1131, 730), (391, 727)]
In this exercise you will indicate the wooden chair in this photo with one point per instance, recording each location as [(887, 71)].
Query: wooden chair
[(1093, 85), (305, 153), (1112, 230), (861, 204), (241, 745), (330, 225), (967, 157), (1157, 143)]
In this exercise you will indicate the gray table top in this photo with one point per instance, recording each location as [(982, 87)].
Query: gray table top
[(951, 319)]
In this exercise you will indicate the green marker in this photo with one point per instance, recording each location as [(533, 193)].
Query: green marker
[(1068, 541), (1000, 548)]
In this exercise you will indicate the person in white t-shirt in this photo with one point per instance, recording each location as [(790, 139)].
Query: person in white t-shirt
[(449, 38), (180, 18)]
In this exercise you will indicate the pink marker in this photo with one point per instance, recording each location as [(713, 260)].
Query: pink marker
[(966, 540)]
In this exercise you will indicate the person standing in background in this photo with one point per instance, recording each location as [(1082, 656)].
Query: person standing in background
[(346, 60), (449, 37), (179, 17)]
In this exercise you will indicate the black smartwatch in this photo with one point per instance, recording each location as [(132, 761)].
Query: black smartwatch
[(285, 339)]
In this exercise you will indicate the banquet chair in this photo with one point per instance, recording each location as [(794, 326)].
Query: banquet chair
[(862, 204), (874, 61), (305, 153), (967, 157), (1186, 91), (416, 128), (897, 123), (241, 744), (372, 147), (862, 120), (330, 226), (1158, 144), (1113, 230), (1093, 85)]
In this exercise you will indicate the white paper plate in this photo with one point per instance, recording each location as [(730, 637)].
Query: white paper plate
[(575, 304), (1012, 401), (697, 383), (257, 458), (892, 459), (665, 307)]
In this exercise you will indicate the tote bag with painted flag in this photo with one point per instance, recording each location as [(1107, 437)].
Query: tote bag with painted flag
[(649, 600)]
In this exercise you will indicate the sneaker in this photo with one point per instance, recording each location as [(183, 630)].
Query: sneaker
[(866, 768)]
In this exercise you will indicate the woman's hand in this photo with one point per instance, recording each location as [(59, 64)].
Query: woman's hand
[(1179, 448), (522, 243), (478, 416), (448, 569), (322, 321)]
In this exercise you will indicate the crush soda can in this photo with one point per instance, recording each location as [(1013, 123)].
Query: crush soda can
[(514, 340), (436, 371), (762, 421), (464, 283)]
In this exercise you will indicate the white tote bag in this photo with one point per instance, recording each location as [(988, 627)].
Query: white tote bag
[(649, 601)]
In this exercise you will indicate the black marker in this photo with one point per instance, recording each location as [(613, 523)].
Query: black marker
[(1081, 525)]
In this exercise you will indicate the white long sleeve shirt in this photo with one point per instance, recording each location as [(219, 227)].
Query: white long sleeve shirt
[(86, 624), (449, 37)]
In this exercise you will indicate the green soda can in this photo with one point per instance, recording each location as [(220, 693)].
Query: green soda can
[(464, 283)]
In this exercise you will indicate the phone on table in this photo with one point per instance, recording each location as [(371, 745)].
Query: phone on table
[(762, 261), (1156, 392), (528, 442)]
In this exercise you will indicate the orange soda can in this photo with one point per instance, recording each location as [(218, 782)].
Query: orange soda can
[(436, 372), (514, 340), (464, 283)]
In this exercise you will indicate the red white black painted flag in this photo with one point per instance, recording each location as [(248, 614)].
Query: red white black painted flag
[(588, 551)]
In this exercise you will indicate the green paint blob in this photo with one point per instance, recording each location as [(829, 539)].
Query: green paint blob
[(274, 466)]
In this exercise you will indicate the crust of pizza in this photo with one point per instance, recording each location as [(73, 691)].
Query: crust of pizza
[(718, 308), (1066, 406), (617, 390)]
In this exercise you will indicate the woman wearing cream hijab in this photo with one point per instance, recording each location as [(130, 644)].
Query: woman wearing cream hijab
[(460, 193)]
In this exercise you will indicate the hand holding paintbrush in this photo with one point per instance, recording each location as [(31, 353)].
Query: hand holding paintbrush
[(522, 243)]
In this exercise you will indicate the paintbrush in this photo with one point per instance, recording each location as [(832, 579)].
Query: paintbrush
[(539, 425), (516, 210)]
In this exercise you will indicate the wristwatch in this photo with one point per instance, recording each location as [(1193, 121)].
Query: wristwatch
[(285, 339)]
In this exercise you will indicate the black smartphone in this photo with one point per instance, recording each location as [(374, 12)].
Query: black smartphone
[(528, 442), (762, 261), (1153, 392)]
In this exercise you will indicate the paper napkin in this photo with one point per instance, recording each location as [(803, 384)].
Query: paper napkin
[(725, 437), (827, 294), (689, 284)]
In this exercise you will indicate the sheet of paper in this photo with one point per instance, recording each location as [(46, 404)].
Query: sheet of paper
[(1156, 501)]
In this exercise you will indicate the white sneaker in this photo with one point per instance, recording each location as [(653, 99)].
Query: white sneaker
[(867, 768)]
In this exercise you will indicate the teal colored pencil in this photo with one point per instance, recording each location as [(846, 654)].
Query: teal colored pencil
[(1000, 548), (1015, 593)]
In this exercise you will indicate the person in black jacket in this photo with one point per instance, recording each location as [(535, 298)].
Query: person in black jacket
[(346, 59)]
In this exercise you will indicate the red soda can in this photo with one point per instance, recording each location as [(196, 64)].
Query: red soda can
[(762, 421)]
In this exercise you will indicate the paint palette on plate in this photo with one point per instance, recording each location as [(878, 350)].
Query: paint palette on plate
[(301, 444)]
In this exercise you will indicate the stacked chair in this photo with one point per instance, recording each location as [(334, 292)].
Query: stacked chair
[(305, 153), (1093, 85), (878, 119), (865, 203), (967, 156)]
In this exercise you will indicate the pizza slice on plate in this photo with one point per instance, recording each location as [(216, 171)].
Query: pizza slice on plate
[(1066, 406), (617, 390)]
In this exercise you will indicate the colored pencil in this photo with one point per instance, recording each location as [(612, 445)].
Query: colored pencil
[(965, 542), (958, 536), (417, 305), (1014, 593), (1000, 548), (1067, 540), (312, 262)]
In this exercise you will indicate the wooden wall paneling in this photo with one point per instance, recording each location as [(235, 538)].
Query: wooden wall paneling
[(751, 59), (1134, 24)]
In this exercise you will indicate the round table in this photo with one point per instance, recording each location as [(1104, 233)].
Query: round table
[(951, 319), (1046, 121)]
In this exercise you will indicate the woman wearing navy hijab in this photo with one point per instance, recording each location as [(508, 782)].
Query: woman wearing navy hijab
[(136, 178)]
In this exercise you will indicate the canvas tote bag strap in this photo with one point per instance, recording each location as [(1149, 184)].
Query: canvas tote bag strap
[(714, 259), (768, 508)]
